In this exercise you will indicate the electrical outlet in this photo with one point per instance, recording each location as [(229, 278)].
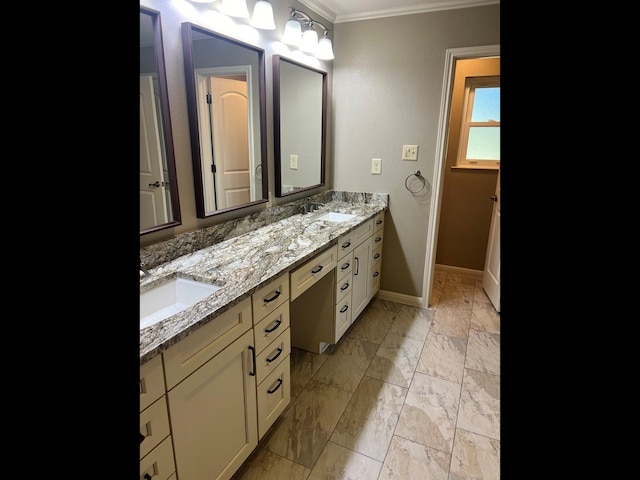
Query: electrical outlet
[(376, 166), (293, 162), (410, 152)]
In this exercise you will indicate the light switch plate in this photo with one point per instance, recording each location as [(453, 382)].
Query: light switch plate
[(376, 166), (410, 152), (293, 162)]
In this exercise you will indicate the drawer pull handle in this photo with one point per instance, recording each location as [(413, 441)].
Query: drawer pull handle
[(346, 245), (378, 239), (277, 387), (142, 437), (377, 255), (378, 222), (357, 266), (344, 309), (267, 300), (277, 355), (269, 330), (147, 476), (253, 355), (316, 271), (344, 287), (376, 274), (345, 266)]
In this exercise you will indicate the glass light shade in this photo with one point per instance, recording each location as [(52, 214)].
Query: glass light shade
[(292, 33), (235, 8), (263, 16), (202, 1), (325, 49), (309, 40)]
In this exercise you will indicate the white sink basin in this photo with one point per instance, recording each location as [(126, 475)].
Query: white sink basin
[(170, 298), (337, 217)]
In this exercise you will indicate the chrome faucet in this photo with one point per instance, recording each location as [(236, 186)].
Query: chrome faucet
[(313, 206), (143, 270)]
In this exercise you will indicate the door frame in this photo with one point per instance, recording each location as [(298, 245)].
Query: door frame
[(451, 56)]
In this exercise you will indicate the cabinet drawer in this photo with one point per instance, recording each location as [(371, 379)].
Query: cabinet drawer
[(342, 316), (273, 355), (151, 382), (154, 425), (308, 274), (377, 255), (344, 285), (274, 394), (350, 240), (378, 221), (345, 265), (375, 279), (271, 326), (193, 351), (377, 239), (159, 464), (269, 297)]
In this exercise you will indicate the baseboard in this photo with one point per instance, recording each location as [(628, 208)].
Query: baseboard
[(477, 274), (410, 300)]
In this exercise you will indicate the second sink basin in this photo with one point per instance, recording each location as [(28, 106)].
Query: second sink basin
[(171, 297), (337, 217)]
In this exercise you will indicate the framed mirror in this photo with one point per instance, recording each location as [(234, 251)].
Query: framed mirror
[(159, 204), (299, 125), (225, 80)]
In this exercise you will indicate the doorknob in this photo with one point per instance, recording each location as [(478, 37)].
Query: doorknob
[(155, 184), (494, 198)]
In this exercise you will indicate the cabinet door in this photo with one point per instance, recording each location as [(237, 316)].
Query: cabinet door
[(361, 284), (213, 414)]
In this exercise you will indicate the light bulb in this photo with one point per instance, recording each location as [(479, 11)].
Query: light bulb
[(325, 49), (263, 16), (292, 33), (309, 40)]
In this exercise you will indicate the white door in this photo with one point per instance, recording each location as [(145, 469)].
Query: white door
[(230, 141), (491, 276), (153, 206)]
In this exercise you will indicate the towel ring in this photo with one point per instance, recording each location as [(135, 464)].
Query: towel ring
[(419, 175)]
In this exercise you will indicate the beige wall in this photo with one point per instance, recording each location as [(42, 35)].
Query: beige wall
[(465, 213), (387, 88)]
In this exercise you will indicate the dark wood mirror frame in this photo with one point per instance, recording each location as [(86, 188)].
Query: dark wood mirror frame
[(172, 180), (188, 30), (277, 125)]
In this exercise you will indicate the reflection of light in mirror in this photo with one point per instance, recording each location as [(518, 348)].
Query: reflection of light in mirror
[(281, 49)]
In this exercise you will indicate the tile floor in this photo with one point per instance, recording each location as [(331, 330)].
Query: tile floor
[(407, 393)]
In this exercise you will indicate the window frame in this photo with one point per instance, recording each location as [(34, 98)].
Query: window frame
[(471, 83)]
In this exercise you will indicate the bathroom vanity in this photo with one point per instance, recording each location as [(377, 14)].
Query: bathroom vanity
[(215, 376)]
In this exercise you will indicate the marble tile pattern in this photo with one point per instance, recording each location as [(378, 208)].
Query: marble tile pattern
[(406, 394), (243, 255)]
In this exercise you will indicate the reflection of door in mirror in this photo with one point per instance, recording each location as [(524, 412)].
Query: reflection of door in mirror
[(155, 207), (227, 156), (226, 102), (159, 207)]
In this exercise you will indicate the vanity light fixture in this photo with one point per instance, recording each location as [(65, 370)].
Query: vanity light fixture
[(263, 16), (307, 40), (235, 8)]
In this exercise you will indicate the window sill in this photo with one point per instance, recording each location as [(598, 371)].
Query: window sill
[(475, 167)]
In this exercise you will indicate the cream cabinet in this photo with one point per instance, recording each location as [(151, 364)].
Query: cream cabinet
[(156, 450), (272, 350), (211, 377), (342, 294), (376, 256), (362, 253)]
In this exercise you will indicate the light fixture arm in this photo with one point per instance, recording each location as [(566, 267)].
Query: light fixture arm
[(307, 20)]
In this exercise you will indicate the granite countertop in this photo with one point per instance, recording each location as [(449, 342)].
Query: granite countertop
[(243, 264)]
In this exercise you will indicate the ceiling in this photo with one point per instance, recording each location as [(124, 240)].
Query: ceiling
[(338, 11)]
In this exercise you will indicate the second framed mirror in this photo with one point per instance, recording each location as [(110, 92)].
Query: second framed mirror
[(299, 126), (225, 80)]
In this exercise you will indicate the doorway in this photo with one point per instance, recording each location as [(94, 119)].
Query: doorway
[(451, 56)]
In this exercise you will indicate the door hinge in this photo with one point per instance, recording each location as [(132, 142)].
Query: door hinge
[(213, 168), (209, 101)]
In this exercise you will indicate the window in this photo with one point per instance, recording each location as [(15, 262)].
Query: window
[(480, 132)]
